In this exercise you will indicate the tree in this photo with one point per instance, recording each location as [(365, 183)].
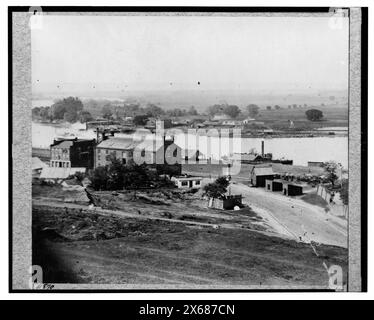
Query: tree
[(35, 112), (71, 116), (43, 113), (215, 109), (344, 191), (153, 111), (68, 105), (222, 181), (174, 112), (85, 116), (268, 108), (314, 114), (136, 176), (99, 178), (106, 112), (192, 111), (216, 189), (331, 168), (253, 110), (140, 120), (231, 110), (277, 107), (115, 175), (131, 109)]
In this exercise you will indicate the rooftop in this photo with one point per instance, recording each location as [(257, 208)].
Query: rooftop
[(188, 177), (63, 144), (263, 171), (67, 143), (116, 143)]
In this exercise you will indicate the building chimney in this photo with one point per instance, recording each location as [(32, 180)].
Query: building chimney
[(262, 148), (97, 135)]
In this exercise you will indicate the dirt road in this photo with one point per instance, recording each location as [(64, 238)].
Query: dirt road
[(294, 217)]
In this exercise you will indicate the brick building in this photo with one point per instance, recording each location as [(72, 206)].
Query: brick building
[(71, 153), (129, 151)]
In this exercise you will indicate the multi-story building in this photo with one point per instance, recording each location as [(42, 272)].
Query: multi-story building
[(70, 153), (118, 148), (129, 151)]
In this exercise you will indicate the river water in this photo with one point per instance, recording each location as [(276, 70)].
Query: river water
[(300, 150)]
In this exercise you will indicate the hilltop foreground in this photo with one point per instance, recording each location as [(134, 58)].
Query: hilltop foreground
[(172, 245)]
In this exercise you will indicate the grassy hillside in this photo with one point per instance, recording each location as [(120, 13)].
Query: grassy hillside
[(162, 253)]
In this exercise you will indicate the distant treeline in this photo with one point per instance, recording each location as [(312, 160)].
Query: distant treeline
[(68, 109), (72, 109)]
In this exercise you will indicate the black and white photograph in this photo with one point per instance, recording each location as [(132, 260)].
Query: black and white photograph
[(188, 150)]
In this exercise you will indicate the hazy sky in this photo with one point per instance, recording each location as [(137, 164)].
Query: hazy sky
[(158, 52)]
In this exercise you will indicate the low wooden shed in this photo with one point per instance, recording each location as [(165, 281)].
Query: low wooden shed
[(274, 185), (290, 189)]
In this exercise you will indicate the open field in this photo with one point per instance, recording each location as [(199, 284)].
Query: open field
[(333, 116), (166, 254), (330, 113)]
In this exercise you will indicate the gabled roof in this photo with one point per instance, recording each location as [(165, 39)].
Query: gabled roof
[(262, 171), (63, 144), (67, 143), (188, 178), (116, 143), (148, 145)]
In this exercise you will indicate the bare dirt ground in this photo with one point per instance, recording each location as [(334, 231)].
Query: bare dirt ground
[(159, 252), (164, 239), (290, 216), (295, 217)]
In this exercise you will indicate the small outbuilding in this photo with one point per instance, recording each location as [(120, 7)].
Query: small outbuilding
[(274, 185), (228, 203), (187, 182), (259, 175), (290, 189)]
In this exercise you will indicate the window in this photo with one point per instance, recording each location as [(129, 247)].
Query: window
[(197, 183), (184, 183), (106, 151), (98, 157)]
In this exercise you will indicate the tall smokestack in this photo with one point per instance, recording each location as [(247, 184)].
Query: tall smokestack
[(262, 148)]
